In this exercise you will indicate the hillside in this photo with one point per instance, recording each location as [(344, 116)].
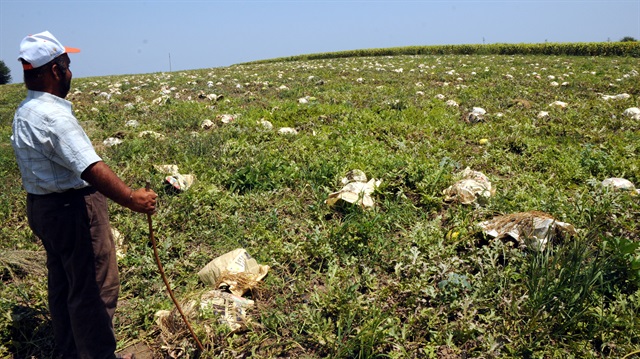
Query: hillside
[(413, 276)]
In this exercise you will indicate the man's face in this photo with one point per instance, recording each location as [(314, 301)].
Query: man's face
[(64, 75)]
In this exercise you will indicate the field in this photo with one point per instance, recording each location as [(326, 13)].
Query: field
[(414, 276)]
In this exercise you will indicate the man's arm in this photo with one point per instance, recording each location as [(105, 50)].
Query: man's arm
[(100, 176)]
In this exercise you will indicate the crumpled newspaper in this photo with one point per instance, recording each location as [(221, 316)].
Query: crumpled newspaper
[(356, 190), (532, 229), (167, 169), (622, 96), (236, 271), (153, 134), (476, 115), (288, 131), (265, 124), (354, 176), (177, 181), (112, 141), (621, 184), (180, 182), (471, 186), (633, 113), (118, 239), (229, 308), (225, 307), (227, 118), (206, 124)]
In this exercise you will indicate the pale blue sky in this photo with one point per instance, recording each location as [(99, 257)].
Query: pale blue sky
[(130, 37)]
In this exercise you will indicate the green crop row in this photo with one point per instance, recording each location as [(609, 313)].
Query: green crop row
[(630, 48)]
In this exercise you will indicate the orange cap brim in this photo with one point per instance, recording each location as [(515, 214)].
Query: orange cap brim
[(68, 50)]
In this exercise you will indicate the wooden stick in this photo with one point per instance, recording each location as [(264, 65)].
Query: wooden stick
[(164, 277)]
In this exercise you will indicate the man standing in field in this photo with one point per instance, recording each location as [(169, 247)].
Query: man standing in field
[(66, 184)]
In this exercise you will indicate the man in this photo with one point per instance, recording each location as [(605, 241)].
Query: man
[(66, 184)]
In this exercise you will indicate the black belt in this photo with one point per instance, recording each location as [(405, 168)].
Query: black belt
[(66, 194)]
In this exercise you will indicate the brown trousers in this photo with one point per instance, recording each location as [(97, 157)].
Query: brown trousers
[(83, 282)]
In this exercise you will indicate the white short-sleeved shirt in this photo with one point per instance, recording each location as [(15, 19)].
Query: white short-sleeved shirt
[(51, 147)]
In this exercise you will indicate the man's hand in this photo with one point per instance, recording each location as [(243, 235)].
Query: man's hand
[(143, 200)]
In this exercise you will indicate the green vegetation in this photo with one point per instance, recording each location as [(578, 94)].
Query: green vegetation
[(627, 46), (413, 277), (5, 73), (628, 38)]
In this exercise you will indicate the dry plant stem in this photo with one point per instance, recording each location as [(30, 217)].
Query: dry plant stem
[(166, 282), (635, 352)]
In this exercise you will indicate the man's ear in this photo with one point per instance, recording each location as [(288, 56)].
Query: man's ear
[(57, 71)]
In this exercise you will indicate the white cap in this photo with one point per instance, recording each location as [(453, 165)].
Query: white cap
[(41, 48)]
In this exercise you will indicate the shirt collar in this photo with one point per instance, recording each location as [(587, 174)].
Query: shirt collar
[(45, 96)]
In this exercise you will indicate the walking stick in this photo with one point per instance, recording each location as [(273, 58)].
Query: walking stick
[(164, 277)]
